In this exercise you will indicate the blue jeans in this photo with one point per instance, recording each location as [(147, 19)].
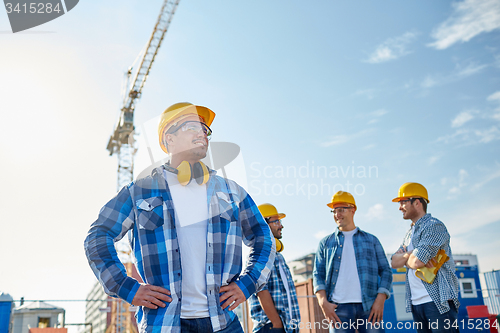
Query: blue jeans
[(268, 328), (432, 321), (203, 325), (353, 317)]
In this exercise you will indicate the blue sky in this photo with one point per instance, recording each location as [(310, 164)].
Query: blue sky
[(409, 90)]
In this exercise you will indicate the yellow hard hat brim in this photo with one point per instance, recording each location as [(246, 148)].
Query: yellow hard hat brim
[(334, 203), (279, 216)]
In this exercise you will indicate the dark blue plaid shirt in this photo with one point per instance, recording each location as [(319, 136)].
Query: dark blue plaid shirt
[(375, 274), (145, 207), (276, 288)]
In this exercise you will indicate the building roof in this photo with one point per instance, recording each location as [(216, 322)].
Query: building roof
[(5, 297), (37, 306)]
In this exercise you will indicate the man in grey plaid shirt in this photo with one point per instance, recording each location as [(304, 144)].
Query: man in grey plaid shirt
[(434, 305)]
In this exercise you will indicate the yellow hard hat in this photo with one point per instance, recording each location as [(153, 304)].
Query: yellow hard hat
[(180, 111), (411, 190), (342, 197), (268, 210)]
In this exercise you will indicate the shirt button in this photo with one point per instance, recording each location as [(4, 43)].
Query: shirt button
[(339, 257), (179, 274), (176, 250), (340, 245)]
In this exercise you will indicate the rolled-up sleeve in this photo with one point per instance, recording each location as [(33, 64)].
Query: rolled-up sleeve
[(319, 272)]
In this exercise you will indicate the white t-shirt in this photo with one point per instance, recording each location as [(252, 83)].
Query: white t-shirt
[(348, 288), (191, 226), (285, 283), (419, 294)]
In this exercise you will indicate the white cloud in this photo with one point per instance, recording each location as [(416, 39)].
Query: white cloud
[(469, 19), (488, 135), (459, 184), (375, 212), (462, 174), (462, 118), (433, 159), (469, 69), (336, 140), (467, 137), (342, 138), (487, 179), (494, 97), (379, 113), (392, 48), (368, 93), (461, 71), (429, 82)]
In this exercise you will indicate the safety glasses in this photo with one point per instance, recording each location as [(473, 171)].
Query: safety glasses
[(192, 126)]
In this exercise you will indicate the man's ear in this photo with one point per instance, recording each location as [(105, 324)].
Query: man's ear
[(169, 139)]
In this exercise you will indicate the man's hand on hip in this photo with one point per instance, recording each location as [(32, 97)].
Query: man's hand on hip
[(232, 297), (151, 296)]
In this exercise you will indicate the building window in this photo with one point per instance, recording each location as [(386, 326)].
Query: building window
[(468, 288), (43, 322)]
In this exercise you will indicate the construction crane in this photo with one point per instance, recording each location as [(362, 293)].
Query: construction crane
[(122, 144)]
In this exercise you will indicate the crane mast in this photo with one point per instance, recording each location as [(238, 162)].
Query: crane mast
[(122, 144)]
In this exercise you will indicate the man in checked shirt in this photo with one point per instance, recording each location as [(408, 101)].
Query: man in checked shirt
[(275, 307), (433, 305), (352, 278), (186, 229)]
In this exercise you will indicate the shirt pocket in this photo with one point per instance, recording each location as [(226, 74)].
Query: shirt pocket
[(226, 210), (150, 213)]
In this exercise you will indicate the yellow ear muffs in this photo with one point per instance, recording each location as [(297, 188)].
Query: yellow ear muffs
[(279, 245), (185, 173), (200, 173)]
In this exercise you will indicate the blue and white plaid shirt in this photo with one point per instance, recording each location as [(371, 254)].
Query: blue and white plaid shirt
[(375, 274), (276, 288), (430, 235), (146, 207)]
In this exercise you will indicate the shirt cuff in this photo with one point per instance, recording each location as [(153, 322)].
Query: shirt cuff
[(384, 291), (128, 289), (246, 285), (319, 287)]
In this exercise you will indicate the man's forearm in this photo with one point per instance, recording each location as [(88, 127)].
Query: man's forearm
[(414, 263), (399, 259), (269, 308)]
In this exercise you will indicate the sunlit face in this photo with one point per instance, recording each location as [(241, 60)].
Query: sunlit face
[(189, 142), (344, 216), (408, 209), (275, 226)]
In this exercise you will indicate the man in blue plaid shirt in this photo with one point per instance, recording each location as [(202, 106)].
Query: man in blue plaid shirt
[(434, 305), (275, 307), (352, 277), (186, 230)]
